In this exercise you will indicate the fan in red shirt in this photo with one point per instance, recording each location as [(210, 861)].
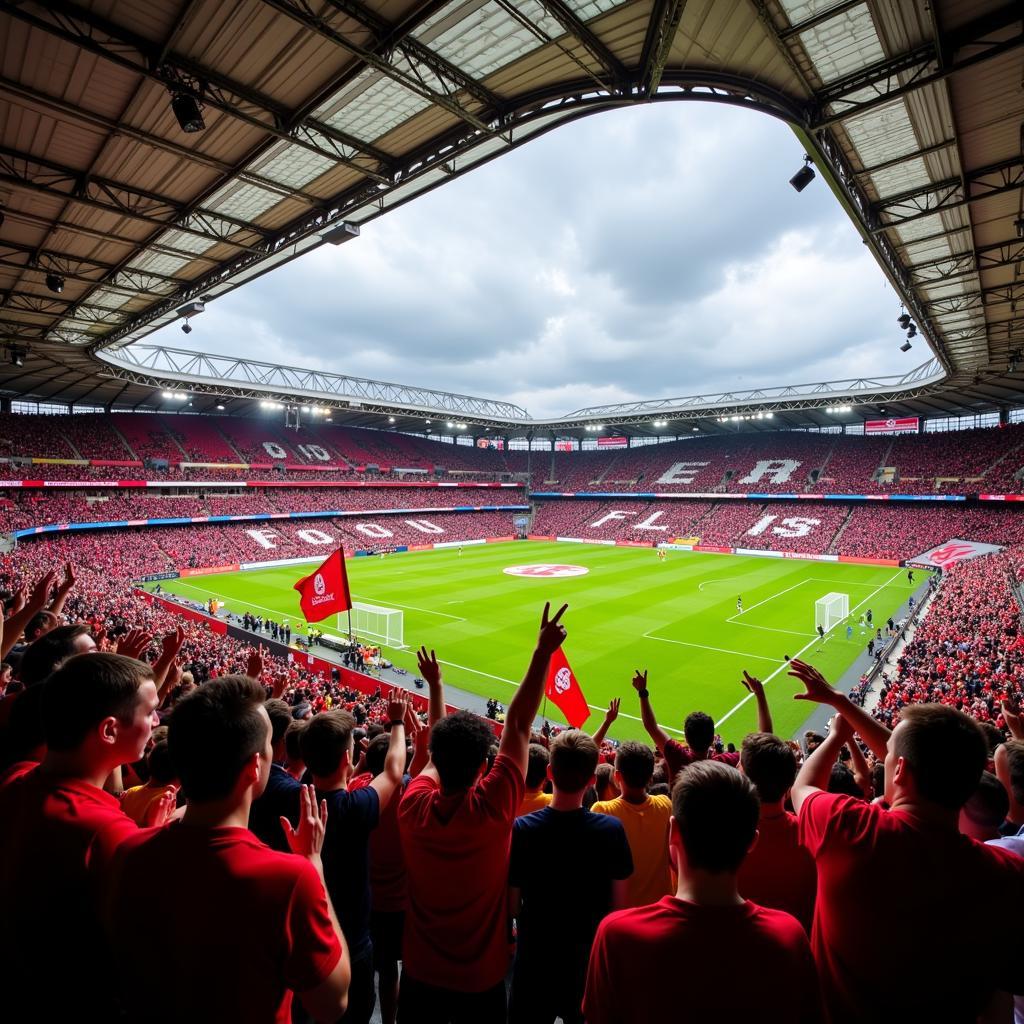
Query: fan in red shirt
[(940, 914), (240, 926), (456, 832), (59, 831), (741, 960), (698, 731)]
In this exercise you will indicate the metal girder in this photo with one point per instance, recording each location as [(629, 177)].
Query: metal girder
[(969, 263), (30, 173), (818, 19), (994, 296), (567, 18), (122, 47), (68, 275), (903, 73), (77, 268), (172, 364), (936, 196), (53, 304), (661, 33), (916, 154), (413, 79)]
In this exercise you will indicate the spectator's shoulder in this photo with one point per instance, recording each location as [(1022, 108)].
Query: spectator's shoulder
[(783, 927), (662, 803)]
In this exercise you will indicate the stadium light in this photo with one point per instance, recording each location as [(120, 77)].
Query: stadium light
[(912, 331), (903, 320), (344, 232), (450, 424), (1019, 227), (55, 283), (188, 111), (391, 419), (220, 408), (906, 346), (461, 426), (804, 176)]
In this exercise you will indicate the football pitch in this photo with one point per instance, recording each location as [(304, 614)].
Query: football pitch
[(677, 618)]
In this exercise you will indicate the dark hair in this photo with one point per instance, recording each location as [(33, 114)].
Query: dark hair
[(326, 739), (1014, 751), (46, 654), (160, 765), (716, 812), (946, 751), (992, 736), (293, 740), (699, 732), (214, 731), (770, 764), (841, 780), (24, 733), (989, 804), (280, 718), (537, 759), (85, 690), (635, 762), (38, 622), (377, 753), (459, 744), (573, 760), (605, 775)]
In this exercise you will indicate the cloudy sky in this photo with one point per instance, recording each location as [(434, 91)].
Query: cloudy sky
[(651, 252)]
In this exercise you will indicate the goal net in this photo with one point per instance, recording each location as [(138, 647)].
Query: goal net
[(830, 610), (384, 625)]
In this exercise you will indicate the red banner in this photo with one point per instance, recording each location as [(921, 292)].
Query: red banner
[(564, 691), (904, 425), (325, 592), (613, 442)]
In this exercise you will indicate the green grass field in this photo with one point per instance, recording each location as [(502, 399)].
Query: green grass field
[(677, 618)]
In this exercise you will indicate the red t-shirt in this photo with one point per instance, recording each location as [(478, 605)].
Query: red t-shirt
[(56, 838), (912, 921), (746, 961), (456, 850), (778, 872), (679, 756), (387, 864), (239, 927)]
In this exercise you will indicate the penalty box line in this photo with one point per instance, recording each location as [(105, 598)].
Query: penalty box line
[(717, 650), (806, 647)]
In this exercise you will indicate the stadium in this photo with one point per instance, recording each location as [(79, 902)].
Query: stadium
[(830, 566)]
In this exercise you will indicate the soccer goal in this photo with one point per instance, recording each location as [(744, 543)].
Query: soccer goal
[(830, 610), (374, 622)]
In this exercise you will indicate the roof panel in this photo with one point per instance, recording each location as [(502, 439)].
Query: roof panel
[(371, 107), (843, 44)]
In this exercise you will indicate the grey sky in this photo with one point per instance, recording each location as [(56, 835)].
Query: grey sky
[(644, 253)]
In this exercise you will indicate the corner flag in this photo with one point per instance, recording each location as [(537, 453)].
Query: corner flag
[(325, 592), (564, 691)]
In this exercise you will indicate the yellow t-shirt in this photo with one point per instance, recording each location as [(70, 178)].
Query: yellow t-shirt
[(533, 802), (646, 828)]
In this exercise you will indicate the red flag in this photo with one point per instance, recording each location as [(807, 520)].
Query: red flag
[(563, 691), (325, 592)]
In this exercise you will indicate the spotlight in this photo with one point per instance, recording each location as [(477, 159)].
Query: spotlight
[(1017, 224), (220, 408), (804, 176), (344, 232), (186, 328), (903, 320), (912, 331), (55, 283), (188, 111), (18, 356), (906, 346), (391, 419)]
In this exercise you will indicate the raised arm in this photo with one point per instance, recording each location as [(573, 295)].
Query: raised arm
[(818, 691), (658, 735), (61, 594), (394, 763), (418, 735), (16, 623), (815, 771), (525, 703), (609, 716), (861, 771), (1012, 718), (764, 714), (431, 672)]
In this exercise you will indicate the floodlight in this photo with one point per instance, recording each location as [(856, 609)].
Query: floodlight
[(18, 355), (220, 408), (906, 346), (55, 283), (912, 331), (1018, 226), (186, 328), (188, 112), (903, 320), (344, 232), (391, 419), (804, 176)]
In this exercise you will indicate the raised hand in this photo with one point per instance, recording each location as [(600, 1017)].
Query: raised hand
[(19, 601), (134, 643), (308, 839), (69, 577), (428, 666), (613, 710), (640, 680), (837, 725), (818, 690), (254, 663), (279, 685), (413, 725), (41, 591), (172, 643), (160, 810), (397, 709), (1012, 717), (752, 683), (552, 632)]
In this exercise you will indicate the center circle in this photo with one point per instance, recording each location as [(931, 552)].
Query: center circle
[(546, 570)]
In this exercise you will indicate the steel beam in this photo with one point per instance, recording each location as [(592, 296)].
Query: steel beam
[(661, 33)]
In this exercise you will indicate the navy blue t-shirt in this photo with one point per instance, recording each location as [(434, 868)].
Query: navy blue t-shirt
[(351, 817), (564, 863), (280, 798)]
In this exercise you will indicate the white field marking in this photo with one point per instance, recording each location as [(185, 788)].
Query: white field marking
[(772, 629), (512, 682), (765, 601), (701, 586), (413, 608), (719, 650), (806, 647), (810, 579)]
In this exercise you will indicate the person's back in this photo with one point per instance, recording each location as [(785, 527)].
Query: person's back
[(281, 796), (705, 952), (645, 819), (567, 871)]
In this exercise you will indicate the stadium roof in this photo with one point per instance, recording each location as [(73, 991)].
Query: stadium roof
[(322, 115)]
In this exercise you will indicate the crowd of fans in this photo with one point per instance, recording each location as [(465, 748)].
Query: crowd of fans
[(275, 844)]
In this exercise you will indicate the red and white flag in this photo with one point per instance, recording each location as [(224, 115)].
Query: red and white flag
[(564, 691), (325, 592)]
